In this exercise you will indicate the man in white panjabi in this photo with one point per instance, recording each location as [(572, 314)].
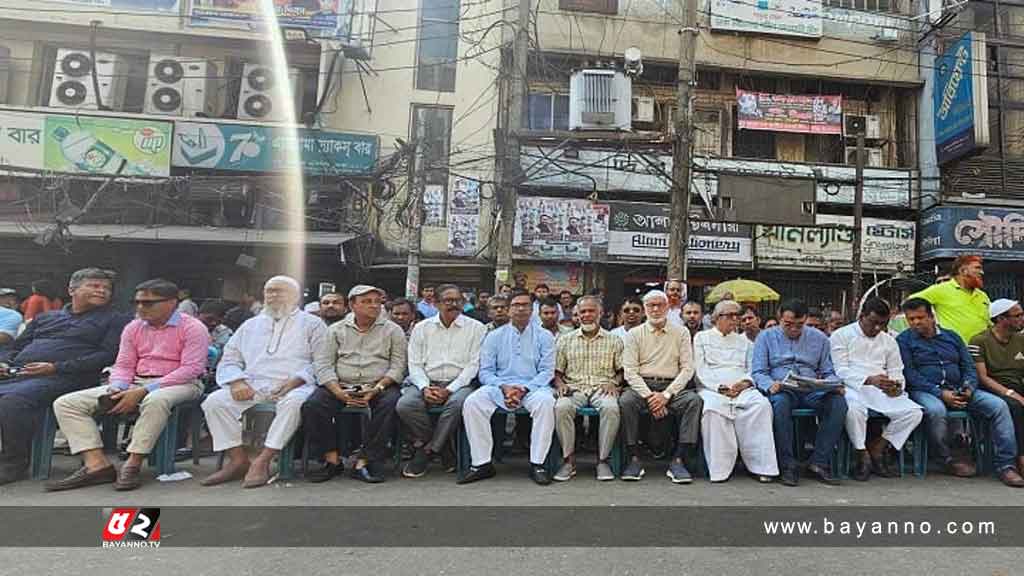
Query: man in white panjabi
[(268, 359), (737, 418), (868, 360)]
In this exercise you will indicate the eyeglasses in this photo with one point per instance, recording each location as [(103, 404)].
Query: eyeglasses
[(451, 300), (729, 315), (148, 303)]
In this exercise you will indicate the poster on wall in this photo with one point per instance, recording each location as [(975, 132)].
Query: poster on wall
[(433, 205), (100, 145), (464, 217), (557, 228), (789, 113), (558, 278)]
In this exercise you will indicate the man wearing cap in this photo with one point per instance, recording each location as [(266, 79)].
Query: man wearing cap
[(941, 376), (960, 303), (657, 362), (360, 366), (999, 359), (268, 359), (444, 358), (10, 318)]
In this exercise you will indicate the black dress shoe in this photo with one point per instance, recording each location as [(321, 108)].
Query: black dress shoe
[(327, 472), (366, 475), (823, 475), (539, 474), (880, 467), (862, 471), (790, 477), (478, 473)]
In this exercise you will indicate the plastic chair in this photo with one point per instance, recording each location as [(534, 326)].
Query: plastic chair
[(462, 454), (344, 439), (286, 459)]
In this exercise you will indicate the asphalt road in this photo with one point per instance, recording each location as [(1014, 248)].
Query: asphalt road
[(512, 486)]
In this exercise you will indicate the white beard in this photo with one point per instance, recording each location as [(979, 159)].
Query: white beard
[(659, 323), (278, 311), (589, 328)]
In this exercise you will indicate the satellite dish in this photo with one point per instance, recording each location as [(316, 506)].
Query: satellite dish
[(633, 61)]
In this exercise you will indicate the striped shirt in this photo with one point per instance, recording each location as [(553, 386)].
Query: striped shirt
[(588, 364)]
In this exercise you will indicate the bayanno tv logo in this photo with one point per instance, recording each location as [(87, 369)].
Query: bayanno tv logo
[(131, 528)]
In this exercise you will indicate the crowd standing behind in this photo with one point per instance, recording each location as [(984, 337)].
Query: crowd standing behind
[(722, 385)]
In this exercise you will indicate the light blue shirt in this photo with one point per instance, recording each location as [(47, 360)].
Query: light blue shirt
[(426, 308), (775, 355), (10, 320), (525, 358)]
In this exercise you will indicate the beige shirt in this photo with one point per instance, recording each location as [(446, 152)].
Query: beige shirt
[(663, 353), (450, 355), (354, 357), (588, 364)]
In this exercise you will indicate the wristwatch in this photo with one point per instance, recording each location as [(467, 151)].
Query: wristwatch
[(1009, 392)]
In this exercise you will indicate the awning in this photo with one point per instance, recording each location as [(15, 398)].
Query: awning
[(185, 234)]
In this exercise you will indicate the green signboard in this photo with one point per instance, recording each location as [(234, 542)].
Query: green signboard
[(97, 145)]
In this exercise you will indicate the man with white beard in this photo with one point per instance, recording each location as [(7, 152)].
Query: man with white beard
[(269, 359), (657, 363), (737, 418)]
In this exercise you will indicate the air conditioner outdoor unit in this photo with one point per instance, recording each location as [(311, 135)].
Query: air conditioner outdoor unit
[(872, 157), (887, 35), (643, 109), (868, 123), (600, 100), (259, 100), (73, 87), (180, 86)]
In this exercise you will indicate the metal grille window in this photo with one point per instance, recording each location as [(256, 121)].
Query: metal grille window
[(548, 112), (438, 45)]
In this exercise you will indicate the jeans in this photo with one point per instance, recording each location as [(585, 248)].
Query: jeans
[(831, 410), (982, 404)]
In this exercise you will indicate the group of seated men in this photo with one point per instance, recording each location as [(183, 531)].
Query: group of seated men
[(715, 386)]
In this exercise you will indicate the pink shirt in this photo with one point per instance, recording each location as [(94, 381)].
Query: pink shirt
[(176, 352)]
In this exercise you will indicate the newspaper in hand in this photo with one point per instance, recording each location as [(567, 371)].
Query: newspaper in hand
[(804, 384)]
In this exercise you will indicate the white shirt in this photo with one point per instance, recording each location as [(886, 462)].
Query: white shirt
[(265, 352), (675, 316), (442, 354), (857, 357), (621, 332), (723, 360)]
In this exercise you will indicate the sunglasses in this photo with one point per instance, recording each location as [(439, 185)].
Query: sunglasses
[(148, 303)]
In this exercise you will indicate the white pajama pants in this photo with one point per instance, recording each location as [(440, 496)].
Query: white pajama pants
[(481, 405), (901, 423), (224, 418), (746, 432)]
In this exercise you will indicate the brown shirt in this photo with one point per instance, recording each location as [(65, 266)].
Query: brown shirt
[(663, 353), (352, 356)]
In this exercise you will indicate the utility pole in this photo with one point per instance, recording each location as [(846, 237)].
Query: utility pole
[(679, 227), (858, 235), (508, 150), (415, 191)]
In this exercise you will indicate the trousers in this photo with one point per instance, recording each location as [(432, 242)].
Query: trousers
[(412, 411), (321, 422), (481, 405), (608, 421), (75, 415), (224, 418)]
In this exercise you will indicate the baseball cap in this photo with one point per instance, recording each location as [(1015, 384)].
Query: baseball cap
[(8, 292), (361, 289), (1000, 307)]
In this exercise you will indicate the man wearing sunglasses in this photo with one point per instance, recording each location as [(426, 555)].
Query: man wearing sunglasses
[(161, 357), (59, 352)]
